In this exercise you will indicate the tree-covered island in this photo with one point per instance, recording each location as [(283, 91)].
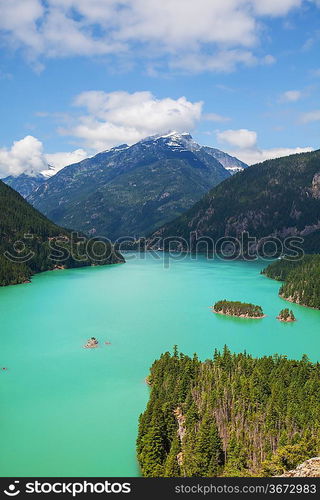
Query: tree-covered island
[(238, 309), (286, 315)]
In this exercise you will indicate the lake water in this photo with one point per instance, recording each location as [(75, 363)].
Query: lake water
[(69, 411)]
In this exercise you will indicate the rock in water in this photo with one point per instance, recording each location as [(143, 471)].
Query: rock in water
[(92, 343)]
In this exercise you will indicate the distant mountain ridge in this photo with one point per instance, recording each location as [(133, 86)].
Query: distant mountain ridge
[(25, 184), (231, 163), (131, 190), (278, 197)]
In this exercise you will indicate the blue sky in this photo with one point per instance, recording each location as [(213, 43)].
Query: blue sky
[(81, 76)]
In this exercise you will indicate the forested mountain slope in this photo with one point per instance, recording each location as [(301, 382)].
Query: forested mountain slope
[(19, 221), (275, 198), (130, 191)]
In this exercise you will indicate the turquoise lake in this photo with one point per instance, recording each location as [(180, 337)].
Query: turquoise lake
[(69, 411)]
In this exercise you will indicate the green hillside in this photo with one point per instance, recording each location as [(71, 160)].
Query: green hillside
[(19, 221), (276, 198)]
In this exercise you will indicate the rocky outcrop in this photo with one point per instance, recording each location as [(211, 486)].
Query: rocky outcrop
[(92, 343), (286, 316), (181, 419), (309, 468), (287, 320), (180, 458), (315, 187)]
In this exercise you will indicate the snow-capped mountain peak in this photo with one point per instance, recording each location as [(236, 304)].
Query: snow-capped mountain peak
[(173, 139), (183, 141)]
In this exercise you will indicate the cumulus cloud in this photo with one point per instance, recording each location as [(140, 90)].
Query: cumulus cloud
[(220, 33), (311, 116), (242, 138), (118, 117), (27, 156), (256, 155), (244, 146), (62, 159), (291, 96)]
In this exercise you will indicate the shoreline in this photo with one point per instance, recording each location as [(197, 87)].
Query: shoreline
[(28, 281), (289, 299), (286, 320), (242, 316)]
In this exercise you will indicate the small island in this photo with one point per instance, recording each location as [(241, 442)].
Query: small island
[(92, 343), (238, 309), (286, 316)]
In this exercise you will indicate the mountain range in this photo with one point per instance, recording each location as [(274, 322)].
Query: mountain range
[(279, 197), (133, 190)]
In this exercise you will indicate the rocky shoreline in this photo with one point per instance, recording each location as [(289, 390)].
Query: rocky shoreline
[(242, 316), (289, 320), (286, 316)]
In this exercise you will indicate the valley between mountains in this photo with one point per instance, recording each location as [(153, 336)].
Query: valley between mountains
[(230, 414)]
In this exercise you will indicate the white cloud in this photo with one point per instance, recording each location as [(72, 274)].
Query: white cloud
[(182, 30), (245, 147), (252, 156), (242, 138), (118, 117), (291, 96), (27, 156), (62, 159), (215, 117), (221, 61), (275, 7), (311, 116)]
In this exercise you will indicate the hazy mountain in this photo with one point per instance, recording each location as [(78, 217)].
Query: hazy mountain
[(25, 184), (130, 190), (231, 163)]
